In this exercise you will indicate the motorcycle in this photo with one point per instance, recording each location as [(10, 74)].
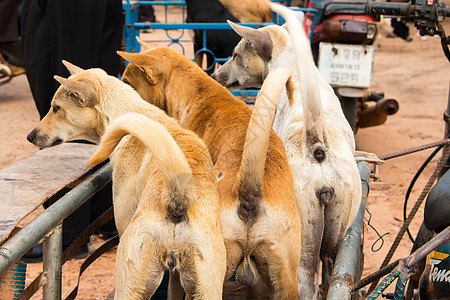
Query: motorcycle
[(341, 42)]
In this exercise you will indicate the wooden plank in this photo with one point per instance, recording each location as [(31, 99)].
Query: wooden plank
[(26, 184)]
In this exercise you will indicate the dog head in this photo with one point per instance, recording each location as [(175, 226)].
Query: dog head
[(252, 57), (247, 68), (147, 74), (73, 114)]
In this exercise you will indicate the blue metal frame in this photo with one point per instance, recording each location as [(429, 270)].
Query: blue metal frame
[(132, 30), (132, 26)]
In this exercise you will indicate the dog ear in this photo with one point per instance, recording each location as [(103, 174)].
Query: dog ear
[(148, 64), (71, 67), (130, 57), (259, 40), (144, 46), (81, 90)]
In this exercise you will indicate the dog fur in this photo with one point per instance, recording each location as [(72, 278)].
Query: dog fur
[(166, 203), (318, 140), (249, 11), (259, 219)]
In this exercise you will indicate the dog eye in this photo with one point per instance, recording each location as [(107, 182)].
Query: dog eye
[(56, 108), (234, 56)]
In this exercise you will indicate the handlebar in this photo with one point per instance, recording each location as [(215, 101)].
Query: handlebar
[(426, 14), (389, 8)]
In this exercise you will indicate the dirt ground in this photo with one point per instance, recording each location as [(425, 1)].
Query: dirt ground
[(416, 74)]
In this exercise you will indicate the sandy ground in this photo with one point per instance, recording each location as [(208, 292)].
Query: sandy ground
[(416, 74)]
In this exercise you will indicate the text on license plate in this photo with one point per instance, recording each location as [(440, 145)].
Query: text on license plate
[(346, 65)]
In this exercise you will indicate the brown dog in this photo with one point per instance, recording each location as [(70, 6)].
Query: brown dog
[(259, 217), (318, 140), (166, 203)]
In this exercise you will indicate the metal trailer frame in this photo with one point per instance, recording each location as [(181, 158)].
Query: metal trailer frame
[(48, 226)]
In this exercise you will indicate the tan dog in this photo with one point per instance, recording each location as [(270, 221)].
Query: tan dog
[(318, 139), (166, 203), (259, 219), (249, 11)]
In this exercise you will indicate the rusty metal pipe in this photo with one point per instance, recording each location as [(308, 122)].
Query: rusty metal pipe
[(52, 264), (377, 114), (423, 251)]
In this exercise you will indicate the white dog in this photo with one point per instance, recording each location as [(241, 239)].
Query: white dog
[(318, 139)]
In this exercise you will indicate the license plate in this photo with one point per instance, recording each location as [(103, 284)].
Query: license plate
[(346, 65)]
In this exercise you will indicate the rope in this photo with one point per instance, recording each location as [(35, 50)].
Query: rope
[(368, 157), (411, 215), (415, 149), (373, 158)]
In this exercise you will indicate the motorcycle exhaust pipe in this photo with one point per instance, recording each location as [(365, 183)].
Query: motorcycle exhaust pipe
[(377, 114)]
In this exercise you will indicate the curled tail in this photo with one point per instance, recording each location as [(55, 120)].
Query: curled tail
[(307, 71), (257, 143), (169, 158)]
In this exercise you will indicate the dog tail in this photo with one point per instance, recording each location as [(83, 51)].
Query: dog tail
[(168, 156), (257, 143), (307, 71), (254, 161)]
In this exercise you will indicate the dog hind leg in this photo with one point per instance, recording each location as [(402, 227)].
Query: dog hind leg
[(333, 233), (312, 218), (277, 268), (202, 271), (308, 269), (139, 270)]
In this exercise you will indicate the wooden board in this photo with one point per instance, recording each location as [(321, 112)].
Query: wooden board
[(26, 184)]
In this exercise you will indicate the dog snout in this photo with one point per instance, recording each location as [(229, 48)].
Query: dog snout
[(31, 137), (219, 77), (325, 194), (42, 140)]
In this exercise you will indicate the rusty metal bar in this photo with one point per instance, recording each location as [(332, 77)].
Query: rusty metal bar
[(349, 250), (52, 264), (402, 268), (423, 251), (32, 233), (374, 276), (384, 284)]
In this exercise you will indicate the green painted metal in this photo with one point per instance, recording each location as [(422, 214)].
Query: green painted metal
[(383, 285), (399, 293)]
